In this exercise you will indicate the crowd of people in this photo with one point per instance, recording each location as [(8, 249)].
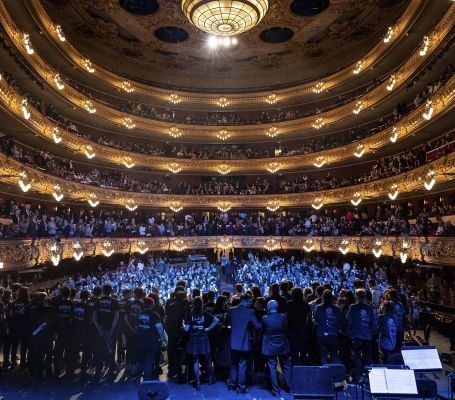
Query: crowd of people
[(287, 311), (117, 179), (36, 220)]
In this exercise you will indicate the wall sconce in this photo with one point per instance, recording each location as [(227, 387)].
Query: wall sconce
[(130, 205), (356, 199), (174, 98), (128, 162), (272, 99), (388, 35), (319, 161), (93, 200), (88, 66), (393, 192), (174, 132), (128, 123), (318, 203), (127, 87), (272, 132), (58, 82), (175, 168), (89, 152), (57, 193), (223, 169)]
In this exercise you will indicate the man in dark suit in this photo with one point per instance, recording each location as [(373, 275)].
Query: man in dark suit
[(240, 318), (275, 346)]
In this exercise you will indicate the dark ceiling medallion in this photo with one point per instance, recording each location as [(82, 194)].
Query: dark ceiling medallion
[(277, 34), (140, 7), (307, 8), (171, 34)]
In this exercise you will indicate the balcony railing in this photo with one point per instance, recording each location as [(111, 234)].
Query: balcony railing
[(25, 253)]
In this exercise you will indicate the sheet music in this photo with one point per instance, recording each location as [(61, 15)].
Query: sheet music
[(392, 381), (401, 381), (422, 359), (378, 383)]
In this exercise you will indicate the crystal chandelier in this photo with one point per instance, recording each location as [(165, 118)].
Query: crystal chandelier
[(224, 18)]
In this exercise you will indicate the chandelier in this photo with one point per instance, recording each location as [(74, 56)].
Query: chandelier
[(224, 18)]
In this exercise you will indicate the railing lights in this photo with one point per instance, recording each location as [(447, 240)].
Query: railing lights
[(58, 82), (393, 194), (27, 44), (88, 66), (388, 35), (175, 168), (356, 199), (128, 162), (318, 123), (57, 193)]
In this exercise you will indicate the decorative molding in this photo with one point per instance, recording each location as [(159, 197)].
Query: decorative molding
[(16, 254), (407, 183), (442, 101), (370, 59), (107, 113)]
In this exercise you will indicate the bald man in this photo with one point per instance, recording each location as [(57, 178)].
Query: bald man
[(275, 346)]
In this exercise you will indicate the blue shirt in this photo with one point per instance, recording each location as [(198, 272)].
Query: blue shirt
[(328, 319), (398, 309), (361, 321), (387, 329)]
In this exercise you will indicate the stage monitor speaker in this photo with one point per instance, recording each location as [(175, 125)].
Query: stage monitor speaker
[(311, 382), (153, 390)]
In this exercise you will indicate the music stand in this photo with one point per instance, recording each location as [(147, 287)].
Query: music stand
[(422, 359), (392, 383)]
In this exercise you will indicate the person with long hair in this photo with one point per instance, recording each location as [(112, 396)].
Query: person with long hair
[(199, 323)]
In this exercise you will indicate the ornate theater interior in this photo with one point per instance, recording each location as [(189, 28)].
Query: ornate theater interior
[(174, 169)]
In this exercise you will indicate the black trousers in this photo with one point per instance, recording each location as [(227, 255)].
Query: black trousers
[(237, 372), (62, 351), (148, 353), (172, 353), (361, 351), (40, 357), (272, 366), (328, 345), (18, 337), (299, 348), (105, 355)]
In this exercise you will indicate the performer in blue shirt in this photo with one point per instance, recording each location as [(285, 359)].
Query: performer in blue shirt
[(327, 318), (387, 330), (362, 326)]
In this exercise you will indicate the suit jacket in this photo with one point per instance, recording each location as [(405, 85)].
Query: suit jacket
[(241, 319), (275, 340)]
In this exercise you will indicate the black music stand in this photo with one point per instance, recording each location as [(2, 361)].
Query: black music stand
[(311, 382)]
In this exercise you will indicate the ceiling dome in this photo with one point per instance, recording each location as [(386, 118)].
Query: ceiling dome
[(225, 17)]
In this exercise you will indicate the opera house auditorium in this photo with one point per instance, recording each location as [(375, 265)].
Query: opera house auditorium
[(227, 199)]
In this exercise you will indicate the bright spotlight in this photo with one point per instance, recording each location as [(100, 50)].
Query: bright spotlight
[(212, 42)]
